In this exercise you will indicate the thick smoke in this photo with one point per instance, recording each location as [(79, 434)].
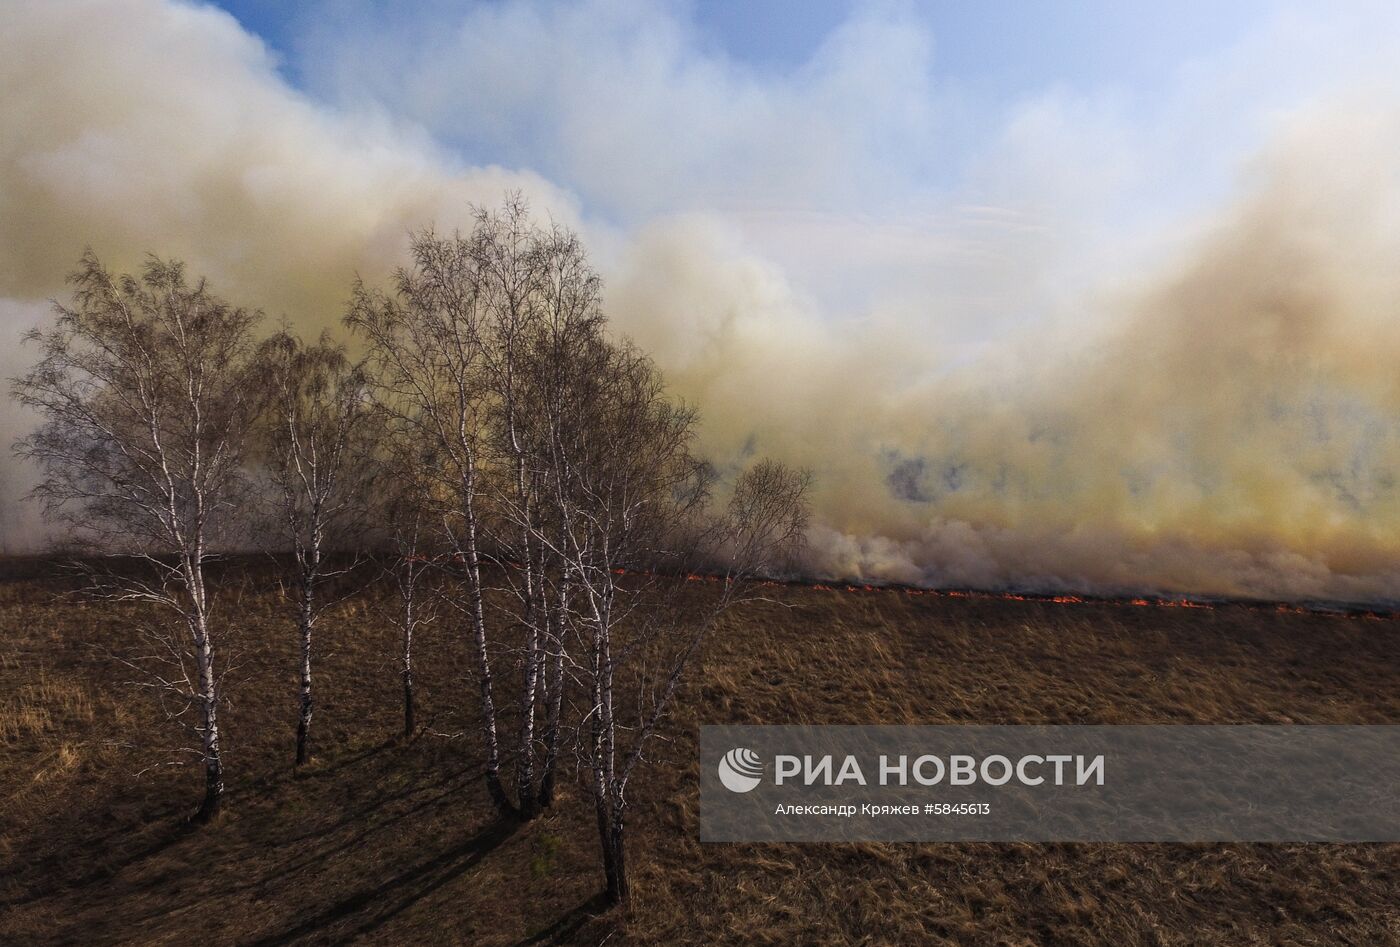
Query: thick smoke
[(136, 126), (1223, 421), (1226, 423)]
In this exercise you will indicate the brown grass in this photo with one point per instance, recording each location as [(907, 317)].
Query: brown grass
[(382, 841)]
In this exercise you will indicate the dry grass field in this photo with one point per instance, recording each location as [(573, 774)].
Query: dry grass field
[(388, 841)]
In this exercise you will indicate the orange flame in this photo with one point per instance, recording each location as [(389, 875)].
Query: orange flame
[(1282, 608)]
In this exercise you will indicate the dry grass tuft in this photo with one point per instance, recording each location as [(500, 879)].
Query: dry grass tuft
[(43, 707)]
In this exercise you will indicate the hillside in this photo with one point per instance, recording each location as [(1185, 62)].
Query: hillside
[(390, 842)]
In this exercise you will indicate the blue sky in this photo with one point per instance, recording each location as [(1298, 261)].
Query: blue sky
[(1000, 48), (928, 103), (983, 58)]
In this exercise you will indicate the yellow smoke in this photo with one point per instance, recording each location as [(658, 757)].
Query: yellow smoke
[(1228, 426)]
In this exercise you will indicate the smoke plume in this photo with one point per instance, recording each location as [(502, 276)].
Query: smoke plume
[(1220, 416)]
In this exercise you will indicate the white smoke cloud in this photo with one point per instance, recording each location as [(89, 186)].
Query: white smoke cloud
[(136, 125), (1116, 354), (626, 101)]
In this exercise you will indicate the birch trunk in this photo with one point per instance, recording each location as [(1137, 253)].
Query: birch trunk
[(607, 791), (554, 695), (490, 740), (607, 797), (209, 721), (305, 620), (526, 791), (614, 855), (406, 668)]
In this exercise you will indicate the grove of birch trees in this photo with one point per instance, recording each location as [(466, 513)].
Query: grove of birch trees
[(479, 447)]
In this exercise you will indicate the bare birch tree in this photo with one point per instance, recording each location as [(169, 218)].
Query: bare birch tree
[(563, 464), (462, 354), (630, 509), (505, 258), (404, 513), (424, 345), (764, 522), (561, 363), (541, 300), (144, 386), (315, 460)]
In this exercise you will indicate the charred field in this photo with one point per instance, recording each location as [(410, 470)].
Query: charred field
[(390, 841)]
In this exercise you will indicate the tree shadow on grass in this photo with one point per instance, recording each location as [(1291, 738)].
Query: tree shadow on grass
[(372, 907), (563, 930), (47, 875), (79, 860), (313, 854)]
